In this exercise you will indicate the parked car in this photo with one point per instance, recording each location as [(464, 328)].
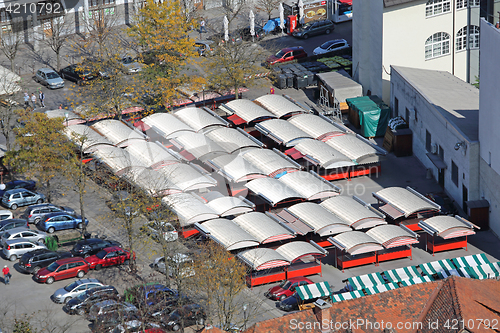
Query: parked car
[(179, 264), (188, 315), (34, 236), (77, 74), (287, 54), (6, 215), (89, 247), (136, 325), (82, 303), (61, 221), (204, 47), (26, 184), (15, 248), (292, 303), (247, 36), (110, 256), (33, 261), (160, 229), (148, 293), (105, 323), (21, 197), (74, 289), (63, 269), (314, 28), (109, 306), (131, 65), (48, 77), (331, 45), (286, 288), (35, 213), (6, 225)]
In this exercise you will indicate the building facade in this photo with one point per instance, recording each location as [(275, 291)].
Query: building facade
[(427, 34)]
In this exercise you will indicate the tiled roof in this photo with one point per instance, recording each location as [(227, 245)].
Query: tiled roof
[(283, 324)]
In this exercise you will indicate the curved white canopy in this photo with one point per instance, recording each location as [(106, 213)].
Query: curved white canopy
[(248, 110), (279, 105), (315, 126), (282, 132), (152, 154), (391, 235), (235, 168), (228, 234), (167, 125), (269, 161), (262, 258), (406, 200), (353, 212), (355, 242), (310, 186), (354, 148), (262, 227), (85, 138), (321, 220), (189, 208), (322, 154), (232, 140), (117, 159), (198, 119), (187, 177), (448, 226), (117, 132)]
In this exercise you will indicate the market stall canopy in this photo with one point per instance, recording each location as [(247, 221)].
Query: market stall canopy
[(404, 202), (431, 268), (417, 280), (310, 185), (486, 271), (227, 234), (282, 132), (390, 235), (197, 145), (246, 110), (347, 296), (318, 127), (402, 274), (235, 168), (380, 288), (262, 258), (226, 205), (354, 211), (447, 226), (313, 290), (151, 181), (279, 105), (366, 281), (199, 119), (461, 272), (189, 208), (320, 154), (356, 148), (263, 228), (321, 220), (117, 159), (167, 125), (69, 117), (233, 140), (294, 251), (118, 132), (188, 177), (292, 222), (355, 242), (270, 162), (471, 261), (153, 154), (272, 190), (85, 138)]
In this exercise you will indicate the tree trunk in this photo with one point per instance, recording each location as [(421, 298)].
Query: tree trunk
[(236, 95), (12, 65), (48, 191), (58, 59)]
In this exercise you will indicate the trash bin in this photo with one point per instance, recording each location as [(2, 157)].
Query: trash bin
[(289, 80), (280, 81), (300, 82), (311, 78)]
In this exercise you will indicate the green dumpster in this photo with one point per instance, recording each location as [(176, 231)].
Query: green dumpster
[(373, 115)]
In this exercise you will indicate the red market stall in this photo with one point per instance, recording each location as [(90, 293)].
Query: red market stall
[(357, 249), (395, 239), (302, 257), (267, 266)]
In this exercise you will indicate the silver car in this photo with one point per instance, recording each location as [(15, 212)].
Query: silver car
[(21, 197), (25, 233), (48, 77), (131, 66), (15, 248), (35, 213), (74, 289), (179, 265)]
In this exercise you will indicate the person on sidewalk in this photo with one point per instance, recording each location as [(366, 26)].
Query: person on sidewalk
[(202, 26), (33, 100), (6, 274), (26, 99), (271, 91), (41, 97)]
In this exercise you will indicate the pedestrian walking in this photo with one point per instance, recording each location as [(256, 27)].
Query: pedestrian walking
[(6, 274), (60, 107), (33, 100), (41, 97), (26, 100), (202, 26), (271, 91)]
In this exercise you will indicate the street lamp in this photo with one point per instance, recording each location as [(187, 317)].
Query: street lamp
[(245, 307), (66, 116)]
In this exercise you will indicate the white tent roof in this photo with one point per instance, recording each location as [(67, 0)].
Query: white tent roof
[(310, 186), (189, 208), (117, 159), (262, 258), (406, 200), (151, 181), (248, 110), (85, 137), (354, 148), (235, 168), (198, 119), (390, 235), (278, 105), (198, 145), (187, 177), (166, 125), (228, 234), (353, 212), (356, 242), (321, 220), (226, 205), (447, 226), (320, 153), (232, 140), (282, 132), (117, 132), (262, 227), (272, 190), (269, 161), (316, 126), (293, 251), (152, 154)]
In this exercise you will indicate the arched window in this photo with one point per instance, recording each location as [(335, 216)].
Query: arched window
[(473, 38), (437, 45), (463, 3), (436, 7)]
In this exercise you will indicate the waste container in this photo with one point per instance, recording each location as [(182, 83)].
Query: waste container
[(280, 81), (289, 80), (300, 82)]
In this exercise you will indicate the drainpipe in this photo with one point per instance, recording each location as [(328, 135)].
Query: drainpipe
[(467, 62), (452, 46)]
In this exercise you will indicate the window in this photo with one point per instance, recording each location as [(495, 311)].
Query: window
[(396, 106), (427, 141), (473, 38), (5, 16), (437, 45), (441, 152), (436, 7), (407, 115), (454, 173), (463, 3)]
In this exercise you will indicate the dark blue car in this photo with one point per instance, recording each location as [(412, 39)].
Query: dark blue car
[(61, 221), (26, 184)]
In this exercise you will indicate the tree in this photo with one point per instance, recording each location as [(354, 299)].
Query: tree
[(9, 90), (233, 66), (61, 28), (42, 148), (11, 40), (268, 6)]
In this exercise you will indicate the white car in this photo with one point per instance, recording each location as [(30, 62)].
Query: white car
[(131, 66), (179, 264), (331, 45), (15, 248), (35, 236), (166, 229), (6, 214), (74, 289)]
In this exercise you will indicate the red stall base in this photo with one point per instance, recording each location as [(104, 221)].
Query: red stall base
[(449, 245), (186, 233), (353, 173), (344, 262), (303, 270), (403, 253), (264, 279)]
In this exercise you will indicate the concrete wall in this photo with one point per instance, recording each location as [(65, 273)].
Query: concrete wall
[(443, 134)]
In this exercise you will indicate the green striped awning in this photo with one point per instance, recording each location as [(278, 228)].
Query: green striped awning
[(380, 288), (471, 261), (400, 274), (314, 290), (346, 296), (435, 267), (417, 280), (367, 280), (462, 272), (486, 271)]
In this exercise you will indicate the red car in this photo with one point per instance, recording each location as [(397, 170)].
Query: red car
[(109, 256), (63, 269), (287, 54), (286, 288)]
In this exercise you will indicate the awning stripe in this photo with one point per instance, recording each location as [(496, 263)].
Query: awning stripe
[(272, 264), (471, 261), (417, 280), (462, 272), (435, 267), (367, 280), (380, 288), (314, 290), (400, 274), (486, 271), (347, 296)]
